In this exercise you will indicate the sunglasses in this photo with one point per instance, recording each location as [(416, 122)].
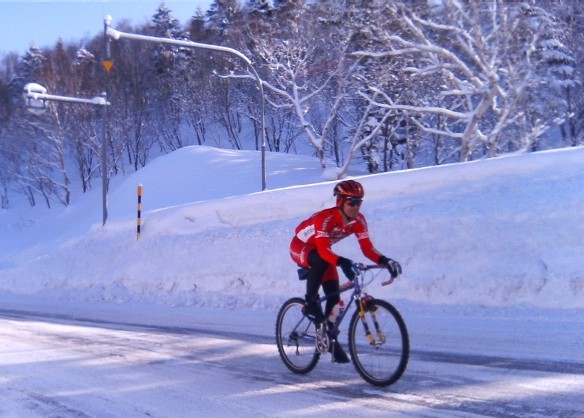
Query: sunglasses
[(354, 201)]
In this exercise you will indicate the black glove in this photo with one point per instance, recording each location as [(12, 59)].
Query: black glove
[(347, 266), (392, 265)]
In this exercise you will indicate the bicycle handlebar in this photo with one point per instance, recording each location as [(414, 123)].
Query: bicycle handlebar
[(360, 267), (365, 267)]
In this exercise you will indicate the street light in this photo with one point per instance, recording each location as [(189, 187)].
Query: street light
[(36, 98), (115, 34)]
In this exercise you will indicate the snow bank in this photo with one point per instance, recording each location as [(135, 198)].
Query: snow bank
[(500, 232)]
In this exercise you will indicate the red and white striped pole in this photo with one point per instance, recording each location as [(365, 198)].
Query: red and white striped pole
[(139, 219)]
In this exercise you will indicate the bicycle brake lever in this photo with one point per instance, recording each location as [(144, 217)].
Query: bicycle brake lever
[(387, 282)]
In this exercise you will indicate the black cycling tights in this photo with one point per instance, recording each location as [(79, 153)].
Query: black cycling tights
[(317, 269)]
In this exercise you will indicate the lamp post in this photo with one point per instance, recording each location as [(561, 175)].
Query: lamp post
[(36, 99), (115, 34)]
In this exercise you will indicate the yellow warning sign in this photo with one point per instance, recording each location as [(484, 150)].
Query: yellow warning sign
[(107, 64)]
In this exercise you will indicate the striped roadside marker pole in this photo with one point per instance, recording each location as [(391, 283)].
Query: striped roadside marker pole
[(139, 211)]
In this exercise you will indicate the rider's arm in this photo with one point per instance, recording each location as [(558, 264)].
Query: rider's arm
[(367, 247), (322, 241), (323, 246)]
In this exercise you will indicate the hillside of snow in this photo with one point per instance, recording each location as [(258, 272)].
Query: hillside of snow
[(501, 232)]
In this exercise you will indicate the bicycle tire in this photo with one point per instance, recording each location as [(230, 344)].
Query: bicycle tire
[(384, 362), (295, 337)]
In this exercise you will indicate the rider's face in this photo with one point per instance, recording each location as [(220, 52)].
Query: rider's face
[(351, 207)]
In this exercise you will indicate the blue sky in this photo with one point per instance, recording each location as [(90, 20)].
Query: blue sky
[(44, 22)]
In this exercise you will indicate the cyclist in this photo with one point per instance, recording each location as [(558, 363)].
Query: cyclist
[(311, 250)]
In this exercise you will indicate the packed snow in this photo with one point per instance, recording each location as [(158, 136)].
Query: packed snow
[(491, 249), (501, 232)]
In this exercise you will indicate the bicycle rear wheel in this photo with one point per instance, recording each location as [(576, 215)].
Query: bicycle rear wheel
[(382, 359), (295, 337)]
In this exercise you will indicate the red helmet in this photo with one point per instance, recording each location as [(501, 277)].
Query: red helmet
[(348, 189)]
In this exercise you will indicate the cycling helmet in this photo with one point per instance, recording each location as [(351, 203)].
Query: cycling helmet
[(348, 189)]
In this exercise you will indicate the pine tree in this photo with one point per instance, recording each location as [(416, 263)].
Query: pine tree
[(220, 16), (28, 70)]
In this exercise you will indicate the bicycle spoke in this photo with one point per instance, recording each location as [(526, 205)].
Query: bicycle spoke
[(378, 338), (295, 337), (380, 358)]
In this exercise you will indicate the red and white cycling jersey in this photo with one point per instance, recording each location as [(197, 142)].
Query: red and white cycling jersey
[(325, 228)]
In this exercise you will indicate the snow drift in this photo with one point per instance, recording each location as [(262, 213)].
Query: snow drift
[(498, 232)]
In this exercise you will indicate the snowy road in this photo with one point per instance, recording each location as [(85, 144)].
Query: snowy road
[(58, 366)]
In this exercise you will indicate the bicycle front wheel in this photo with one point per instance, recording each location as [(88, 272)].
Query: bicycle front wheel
[(296, 337), (379, 343)]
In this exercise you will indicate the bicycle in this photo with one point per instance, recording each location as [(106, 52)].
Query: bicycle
[(380, 357)]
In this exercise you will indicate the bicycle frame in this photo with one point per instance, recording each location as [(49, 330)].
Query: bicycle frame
[(357, 286), (377, 335)]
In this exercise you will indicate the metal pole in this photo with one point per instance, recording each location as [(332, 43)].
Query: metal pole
[(115, 34), (35, 93), (104, 170), (263, 126)]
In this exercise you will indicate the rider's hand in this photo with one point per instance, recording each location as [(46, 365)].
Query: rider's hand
[(347, 266), (392, 265)]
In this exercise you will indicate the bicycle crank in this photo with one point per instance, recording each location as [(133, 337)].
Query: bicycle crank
[(322, 340)]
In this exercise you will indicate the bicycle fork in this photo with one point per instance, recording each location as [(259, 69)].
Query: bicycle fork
[(370, 338)]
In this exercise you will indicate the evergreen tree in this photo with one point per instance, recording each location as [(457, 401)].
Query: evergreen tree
[(221, 15), (165, 25), (28, 70), (383, 84), (260, 6)]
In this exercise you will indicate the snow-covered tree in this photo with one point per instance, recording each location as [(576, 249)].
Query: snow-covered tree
[(481, 60), (260, 6), (564, 49), (383, 84), (301, 61), (84, 143), (7, 69), (221, 15), (172, 64), (43, 146), (165, 25), (28, 70)]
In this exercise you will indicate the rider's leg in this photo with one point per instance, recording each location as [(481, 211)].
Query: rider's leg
[(325, 273), (299, 252), (318, 269), (313, 308), (330, 285)]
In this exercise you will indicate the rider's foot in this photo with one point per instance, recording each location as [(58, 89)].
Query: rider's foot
[(331, 330), (339, 355)]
